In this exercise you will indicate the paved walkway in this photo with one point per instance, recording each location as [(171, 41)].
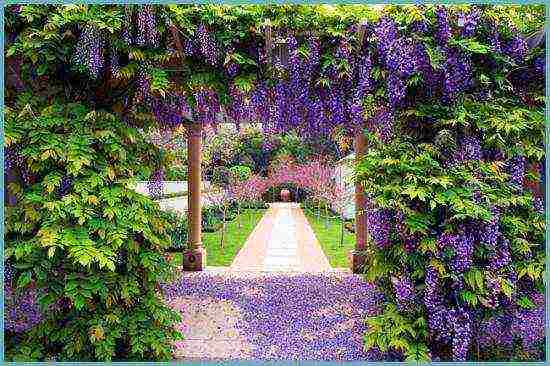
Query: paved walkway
[(280, 299), (283, 241)]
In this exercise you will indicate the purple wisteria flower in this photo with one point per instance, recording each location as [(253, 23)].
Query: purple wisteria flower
[(379, 225), (404, 291), (516, 48), (467, 22), (443, 28)]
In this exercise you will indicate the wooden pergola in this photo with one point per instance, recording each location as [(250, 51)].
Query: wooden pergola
[(195, 258)]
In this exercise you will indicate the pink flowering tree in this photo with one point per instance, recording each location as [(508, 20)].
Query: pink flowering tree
[(315, 176), (256, 186)]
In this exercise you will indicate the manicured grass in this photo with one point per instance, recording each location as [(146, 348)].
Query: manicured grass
[(233, 241), (329, 239)]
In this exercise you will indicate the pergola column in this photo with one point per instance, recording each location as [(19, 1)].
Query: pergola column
[(194, 259), (358, 255)]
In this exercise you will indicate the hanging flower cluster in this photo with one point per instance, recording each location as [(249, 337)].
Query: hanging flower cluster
[(89, 51)]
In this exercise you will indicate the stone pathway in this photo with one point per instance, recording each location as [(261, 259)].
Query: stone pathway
[(283, 241), (279, 300)]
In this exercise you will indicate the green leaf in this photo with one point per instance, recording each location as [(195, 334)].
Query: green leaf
[(525, 303), (24, 279)]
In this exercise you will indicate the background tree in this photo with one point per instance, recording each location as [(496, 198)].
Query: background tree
[(239, 175)]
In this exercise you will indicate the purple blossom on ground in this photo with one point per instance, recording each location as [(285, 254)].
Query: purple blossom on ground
[(292, 316)]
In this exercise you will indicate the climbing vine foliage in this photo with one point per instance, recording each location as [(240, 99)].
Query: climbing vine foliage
[(84, 252)]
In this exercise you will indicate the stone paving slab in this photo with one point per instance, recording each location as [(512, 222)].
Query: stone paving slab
[(282, 241), (249, 256)]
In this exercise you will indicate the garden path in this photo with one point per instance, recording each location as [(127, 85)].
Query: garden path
[(228, 315), (280, 299), (283, 241)]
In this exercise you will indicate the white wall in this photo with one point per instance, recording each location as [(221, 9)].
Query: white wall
[(343, 176), (168, 187), (178, 204)]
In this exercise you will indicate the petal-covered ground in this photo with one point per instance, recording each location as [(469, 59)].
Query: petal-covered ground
[(232, 315)]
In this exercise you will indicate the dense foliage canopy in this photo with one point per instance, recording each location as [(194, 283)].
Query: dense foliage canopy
[(451, 99)]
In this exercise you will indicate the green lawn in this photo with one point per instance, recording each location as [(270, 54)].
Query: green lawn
[(329, 239), (234, 239)]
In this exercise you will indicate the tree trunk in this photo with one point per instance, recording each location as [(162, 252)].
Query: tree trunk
[(223, 228), (342, 230), (238, 215)]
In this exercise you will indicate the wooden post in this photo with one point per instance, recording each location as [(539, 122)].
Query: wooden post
[(194, 259), (358, 255)]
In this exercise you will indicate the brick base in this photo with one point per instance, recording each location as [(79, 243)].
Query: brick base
[(194, 260), (357, 260)]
